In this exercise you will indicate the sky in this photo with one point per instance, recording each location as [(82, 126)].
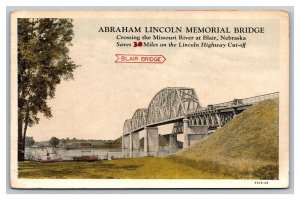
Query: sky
[(104, 94)]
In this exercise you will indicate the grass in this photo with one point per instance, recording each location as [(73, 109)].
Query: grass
[(138, 168), (245, 148)]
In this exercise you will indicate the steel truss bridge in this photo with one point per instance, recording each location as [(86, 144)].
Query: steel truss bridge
[(181, 106)]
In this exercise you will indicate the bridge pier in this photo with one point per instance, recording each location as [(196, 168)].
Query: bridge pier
[(186, 132), (151, 142), (131, 145), (134, 144), (172, 143), (192, 134), (126, 146)]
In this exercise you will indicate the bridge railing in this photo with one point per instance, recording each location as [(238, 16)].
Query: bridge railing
[(256, 99), (239, 102), (248, 101)]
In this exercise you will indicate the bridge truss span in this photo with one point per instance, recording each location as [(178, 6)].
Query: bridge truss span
[(171, 103), (180, 106), (168, 105)]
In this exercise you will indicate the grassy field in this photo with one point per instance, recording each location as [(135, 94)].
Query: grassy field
[(138, 168), (245, 148)]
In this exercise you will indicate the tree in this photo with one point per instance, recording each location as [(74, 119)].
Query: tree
[(54, 141), (43, 61), (29, 141), (67, 141), (63, 142)]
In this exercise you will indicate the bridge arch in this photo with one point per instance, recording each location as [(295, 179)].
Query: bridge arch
[(139, 118), (168, 104), (127, 127), (171, 103)]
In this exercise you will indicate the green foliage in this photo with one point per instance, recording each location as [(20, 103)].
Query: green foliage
[(63, 142), (117, 143), (43, 61), (29, 141), (54, 141)]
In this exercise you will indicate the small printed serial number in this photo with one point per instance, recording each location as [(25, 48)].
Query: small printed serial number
[(261, 182)]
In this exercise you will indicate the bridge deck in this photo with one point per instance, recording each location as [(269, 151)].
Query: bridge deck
[(188, 95)]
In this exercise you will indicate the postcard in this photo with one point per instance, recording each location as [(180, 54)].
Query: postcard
[(149, 99)]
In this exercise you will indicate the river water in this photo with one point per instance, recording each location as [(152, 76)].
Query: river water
[(68, 154)]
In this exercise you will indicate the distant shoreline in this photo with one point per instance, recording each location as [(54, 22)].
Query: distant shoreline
[(80, 148)]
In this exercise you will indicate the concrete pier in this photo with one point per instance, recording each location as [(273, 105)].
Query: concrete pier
[(134, 145), (126, 146), (186, 132), (192, 134), (173, 143), (151, 143)]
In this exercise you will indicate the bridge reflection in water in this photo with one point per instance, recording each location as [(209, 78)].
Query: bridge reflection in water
[(140, 153), (178, 106)]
